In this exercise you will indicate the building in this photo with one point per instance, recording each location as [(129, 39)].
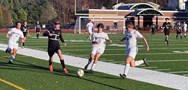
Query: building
[(140, 14)]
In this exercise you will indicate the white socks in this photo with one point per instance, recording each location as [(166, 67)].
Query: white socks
[(137, 63), (126, 69), (93, 65)]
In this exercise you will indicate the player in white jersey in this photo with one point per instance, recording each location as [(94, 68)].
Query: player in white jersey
[(184, 28), (99, 43), (90, 29), (131, 48), (14, 34)]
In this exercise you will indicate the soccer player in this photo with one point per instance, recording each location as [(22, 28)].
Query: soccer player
[(14, 34), (166, 27), (90, 29), (37, 29), (153, 28), (185, 28), (131, 48), (25, 31), (54, 35), (98, 46), (179, 30)]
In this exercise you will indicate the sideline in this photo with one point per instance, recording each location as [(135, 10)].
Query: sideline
[(139, 74), (11, 84)]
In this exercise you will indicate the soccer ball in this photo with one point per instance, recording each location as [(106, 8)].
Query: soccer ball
[(80, 73)]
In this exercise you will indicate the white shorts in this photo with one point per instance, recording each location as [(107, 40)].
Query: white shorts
[(132, 52), (96, 50), (12, 45), (185, 30), (90, 31)]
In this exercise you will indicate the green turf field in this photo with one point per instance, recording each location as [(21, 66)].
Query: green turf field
[(171, 59), (32, 74)]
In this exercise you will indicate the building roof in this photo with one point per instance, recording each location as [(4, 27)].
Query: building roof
[(144, 12), (134, 6)]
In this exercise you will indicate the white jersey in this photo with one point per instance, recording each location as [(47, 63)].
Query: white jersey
[(100, 38), (184, 26), (90, 27), (131, 38), (14, 36)]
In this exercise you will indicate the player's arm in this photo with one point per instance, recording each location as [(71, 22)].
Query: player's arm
[(8, 35), (46, 33), (146, 43), (62, 40), (109, 40)]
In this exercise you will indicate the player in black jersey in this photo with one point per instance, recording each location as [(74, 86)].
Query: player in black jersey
[(37, 29), (25, 31), (179, 30), (166, 27), (54, 35)]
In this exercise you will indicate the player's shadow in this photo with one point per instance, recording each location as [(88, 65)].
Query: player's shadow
[(73, 74), (21, 65)]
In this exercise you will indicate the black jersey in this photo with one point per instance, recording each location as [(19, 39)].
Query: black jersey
[(38, 27), (53, 37), (166, 26), (24, 28)]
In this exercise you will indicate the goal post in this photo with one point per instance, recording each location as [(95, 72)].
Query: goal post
[(112, 24)]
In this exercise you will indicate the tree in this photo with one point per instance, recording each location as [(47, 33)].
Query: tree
[(48, 13), (22, 15), (5, 17), (1, 17)]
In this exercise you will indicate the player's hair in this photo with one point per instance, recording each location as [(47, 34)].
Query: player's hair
[(100, 25), (130, 25), (18, 22), (166, 18)]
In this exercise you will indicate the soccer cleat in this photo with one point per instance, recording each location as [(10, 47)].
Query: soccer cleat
[(122, 76), (65, 71), (51, 68), (10, 62), (145, 62)]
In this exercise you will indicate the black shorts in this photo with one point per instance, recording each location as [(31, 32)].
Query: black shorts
[(178, 32), (25, 34), (167, 32), (53, 49), (37, 29)]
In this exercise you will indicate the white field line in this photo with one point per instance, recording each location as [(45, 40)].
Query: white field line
[(168, 61), (162, 69), (148, 67), (148, 76), (178, 72)]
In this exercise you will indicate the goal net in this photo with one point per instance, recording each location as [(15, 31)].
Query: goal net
[(111, 24)]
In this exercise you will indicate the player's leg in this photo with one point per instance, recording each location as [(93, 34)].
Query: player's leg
[(185, 33), (177, 35), (91, 58), (127, 67), (38, 33), (13, 55), (95, 60), (181, 35), (167, 39), (62, 61), (23, 44), (50, 53), (50, 63)]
